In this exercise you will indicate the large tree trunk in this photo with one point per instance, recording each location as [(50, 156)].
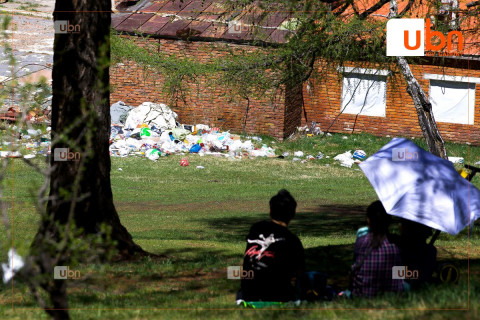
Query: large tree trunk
[(426, 120), (80, 92), (80, 122)]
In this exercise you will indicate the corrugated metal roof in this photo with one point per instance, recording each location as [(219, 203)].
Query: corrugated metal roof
[(199, 19), (211, 19)]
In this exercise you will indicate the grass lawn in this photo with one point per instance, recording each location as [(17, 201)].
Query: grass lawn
[(199, 220)]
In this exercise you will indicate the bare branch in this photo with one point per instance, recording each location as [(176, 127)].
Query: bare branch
[(372, 9)]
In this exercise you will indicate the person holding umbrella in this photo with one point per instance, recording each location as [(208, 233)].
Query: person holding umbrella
[(375, 256), (416, 253)]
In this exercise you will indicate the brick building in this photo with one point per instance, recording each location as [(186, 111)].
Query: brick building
[(380, 104)]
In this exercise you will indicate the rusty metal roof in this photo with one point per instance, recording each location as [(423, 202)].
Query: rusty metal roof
[(211, 19), (200, 19)]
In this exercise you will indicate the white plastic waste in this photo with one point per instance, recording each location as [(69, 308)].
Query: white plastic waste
[(153, 114), (455, 159), (248, 145), (298, 154), (346, 159), (15, 263), (152, 154)]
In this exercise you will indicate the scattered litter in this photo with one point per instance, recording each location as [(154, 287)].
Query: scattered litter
[(298, 154), (344, 137), (319, 156), (29, 156), (152, 114), (455, 159), (329, 134), (310, 157), (359, 155), (285, 154), (346, 159), (184, 162), (9, 154), (120, 169), (200, 167), (119, 112), (153, 154), (296, 159), (15, 263)]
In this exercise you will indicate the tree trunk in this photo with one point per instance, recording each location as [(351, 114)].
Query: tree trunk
[(426, 120), (79, 188), (80, 92)]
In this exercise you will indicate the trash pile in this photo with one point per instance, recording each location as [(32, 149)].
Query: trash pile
[(34, 141), (152, 130)]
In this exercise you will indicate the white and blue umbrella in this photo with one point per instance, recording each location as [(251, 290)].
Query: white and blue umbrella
[(416, 185)]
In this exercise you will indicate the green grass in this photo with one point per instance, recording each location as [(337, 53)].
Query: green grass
[(199, 220), (29, 6)]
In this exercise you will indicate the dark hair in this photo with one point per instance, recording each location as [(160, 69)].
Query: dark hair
[(282, 206), (379, 222)]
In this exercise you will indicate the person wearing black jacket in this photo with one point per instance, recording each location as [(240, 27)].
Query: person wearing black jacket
[(274, 254)]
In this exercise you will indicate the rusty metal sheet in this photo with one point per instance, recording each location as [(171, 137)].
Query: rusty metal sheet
[(195, 8), (279, 36), (215, 30), (213, 12), (155, 6), (154, 24), (172, 28), (199, 26), (118, 18), (173, 7), (134, 22)]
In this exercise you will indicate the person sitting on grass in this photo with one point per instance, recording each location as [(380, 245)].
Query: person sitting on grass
[(416, 254), (375, 256), (274, 254)]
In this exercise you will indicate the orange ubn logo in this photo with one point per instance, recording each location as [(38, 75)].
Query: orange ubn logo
[(415, 37)]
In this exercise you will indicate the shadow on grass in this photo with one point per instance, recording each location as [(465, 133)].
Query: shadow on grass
[(322, 221)]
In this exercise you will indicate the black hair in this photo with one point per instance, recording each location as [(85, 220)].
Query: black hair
[(379, 222), (283, 206)]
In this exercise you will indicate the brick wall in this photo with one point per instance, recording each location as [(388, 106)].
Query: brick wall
[(205, 104), (280, 117), (323, 101)]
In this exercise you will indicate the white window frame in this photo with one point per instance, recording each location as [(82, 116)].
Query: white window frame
[(363, 71), (460, 79)]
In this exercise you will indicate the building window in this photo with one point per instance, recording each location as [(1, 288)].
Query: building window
[(365, 93), (452, 101)]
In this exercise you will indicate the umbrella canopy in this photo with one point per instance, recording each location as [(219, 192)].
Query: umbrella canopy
[(416, 185)]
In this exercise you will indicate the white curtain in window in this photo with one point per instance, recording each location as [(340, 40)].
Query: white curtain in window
[(452, 102), (364, 94)]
